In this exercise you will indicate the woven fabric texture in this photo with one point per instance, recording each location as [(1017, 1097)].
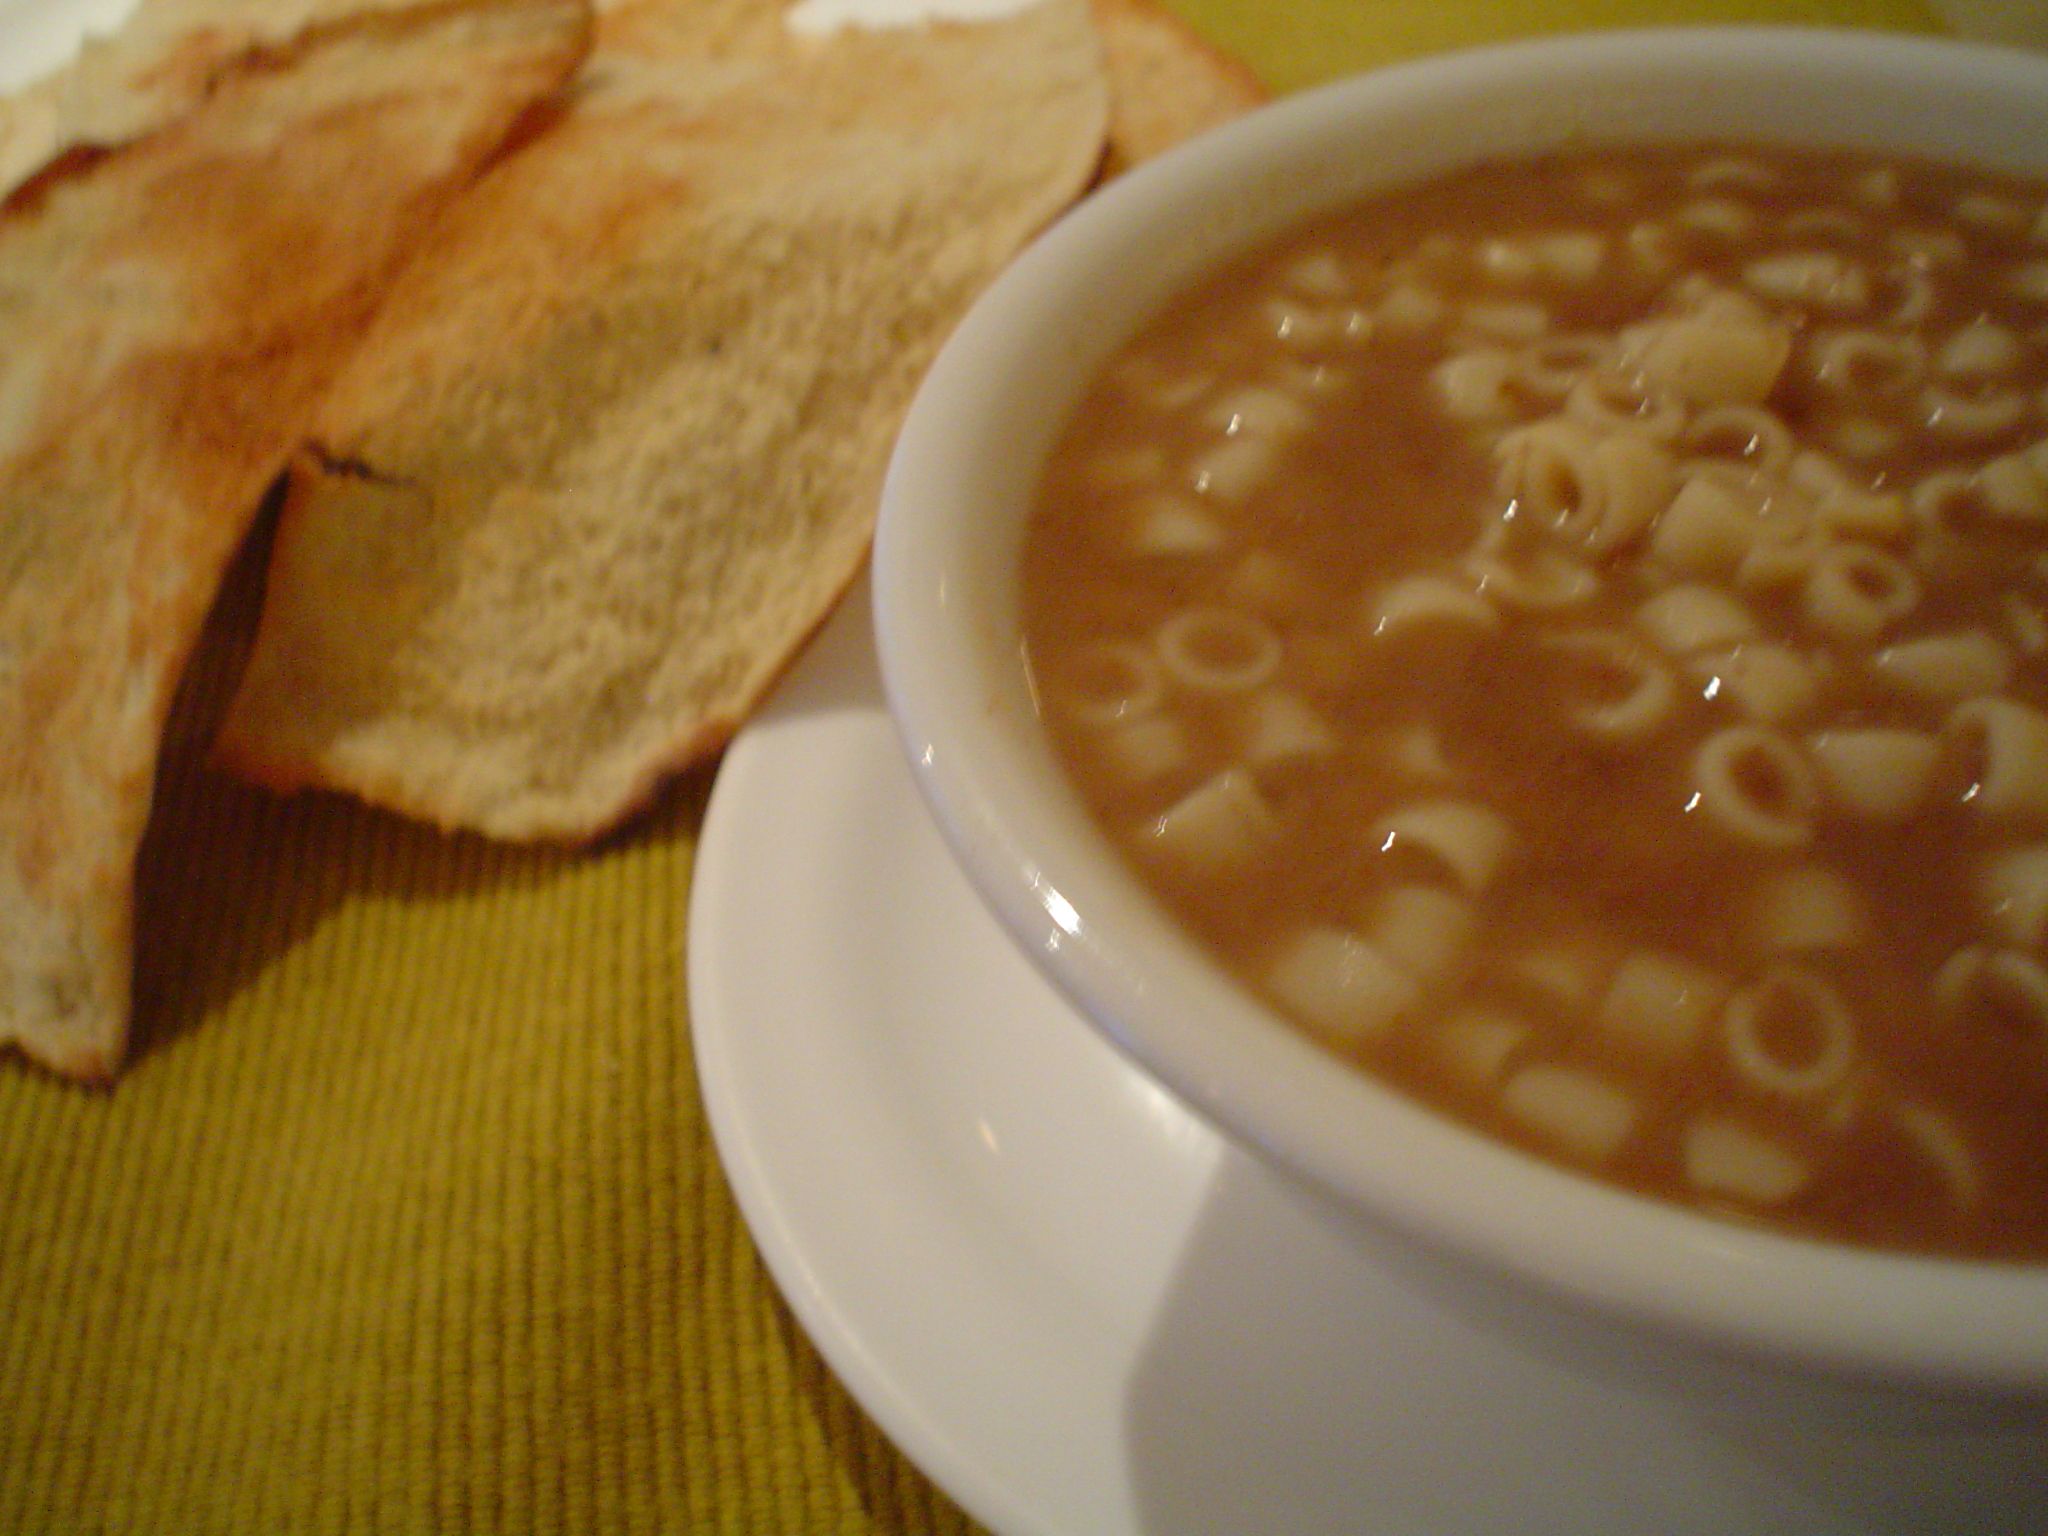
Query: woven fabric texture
[(405, 1216)]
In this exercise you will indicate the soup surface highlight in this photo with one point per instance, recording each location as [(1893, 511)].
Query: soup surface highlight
[(1574, 638)]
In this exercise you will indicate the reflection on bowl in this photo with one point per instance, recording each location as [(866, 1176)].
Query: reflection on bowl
[(956, 561)]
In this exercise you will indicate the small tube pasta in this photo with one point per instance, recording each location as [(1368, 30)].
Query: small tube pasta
[(1807, 908), (1978, 350), (1478, 384), (1217, 650), (1936, 1137), (1918, 293), (1428, 603), (1708, 360), (1604, 187), (1878, 187), (1987, 210), (1823, 278), (1258, 410), (1409, 306), (2014, 488), (1650, 248), (1169, 394), (1110, 682), (1505, 261), (1634, 479), (1780, 565), (1268, 584), (1309, 326), (1574, 1111), (1860, 362), (1461, 837), (1417, 753), (1612, 398), (1717, 216), (2028, 280), (1657, 1004), (1306, 378), (1789, 1034), (1947, 500), (1971, 418), (1732, 171), (1319, 274), (1146, 749), (1857, 592), (1822, 224), (1542, 582), (2007, 747), (1747, 435), (1817, 474), (1769, 683), (1233, 468), (1946, 668), (1994, 988), (1925, 246), (1859, 437), (1281, 728), (1855, 514), (1424, 929), (1512, 321), (1631, 692), (1726, 1158), (1707, 528), (1172, 525), (1879, 774), (1684, 619), (1566, 972), (2012, 890), (1595, 490), (1478, 1043), (2026, 623), (1554, 367), (1754, 785), (1571, 256), (1223, 824), (1339, 985)]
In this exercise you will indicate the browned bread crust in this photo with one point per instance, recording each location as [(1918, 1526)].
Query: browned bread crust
[(1167, 82), (174, 308), (614, 446)]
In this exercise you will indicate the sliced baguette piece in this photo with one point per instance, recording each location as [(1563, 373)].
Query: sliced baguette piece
[(157, 65), (613, 448), (173, 309), (1166, 81)]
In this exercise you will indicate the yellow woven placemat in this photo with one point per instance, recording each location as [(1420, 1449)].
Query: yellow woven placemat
[(405, 1217)]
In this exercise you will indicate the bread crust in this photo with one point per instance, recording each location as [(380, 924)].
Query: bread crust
[(174, 308), (1167, 82), (614, 446)]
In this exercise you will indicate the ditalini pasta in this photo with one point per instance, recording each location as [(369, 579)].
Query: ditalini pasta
[(1574, 639)]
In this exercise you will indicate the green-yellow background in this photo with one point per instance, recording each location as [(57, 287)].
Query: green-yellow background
[(406, 1217)]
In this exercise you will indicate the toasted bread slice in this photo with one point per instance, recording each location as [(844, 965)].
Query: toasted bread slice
[(614, 445), (156, 66), (1166, 82), (173, 310)]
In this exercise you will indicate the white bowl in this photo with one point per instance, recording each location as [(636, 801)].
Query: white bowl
[(946, 586)]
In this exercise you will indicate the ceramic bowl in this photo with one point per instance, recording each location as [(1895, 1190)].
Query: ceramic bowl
[(960, 485)]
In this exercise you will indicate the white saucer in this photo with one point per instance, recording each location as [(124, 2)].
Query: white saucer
[(1075, 1306)]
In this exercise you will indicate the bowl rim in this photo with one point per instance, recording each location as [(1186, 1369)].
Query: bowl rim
[(1931, 1323)]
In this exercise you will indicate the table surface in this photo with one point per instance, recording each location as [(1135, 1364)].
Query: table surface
[(406, 1216)]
